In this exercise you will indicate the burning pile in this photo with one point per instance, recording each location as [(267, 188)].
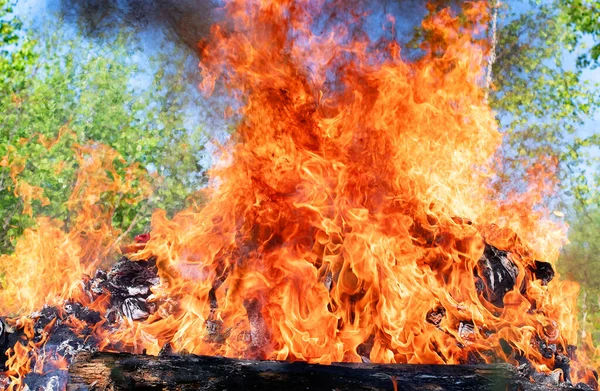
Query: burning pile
[(353, 222)]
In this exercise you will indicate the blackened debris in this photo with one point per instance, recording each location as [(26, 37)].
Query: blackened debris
[(129, 286), (572, 352), (129, 278), (166, 350), (74, 308), (563, 362), (547, 379), (479, 284), (215, 332), (128, 283), (474, 358), (364, 349), (466, 330), (506, 348), (135, 308), (436, 315), (50, 381), (3, 335), (525, 369), (5, 343), (95, 285), (547, 350), (462, 220), (52, 323), (43, 319), (583, 387), (259, 334), (101, 275), (67, 344), (542, 271), (422, 234), (497, 275)]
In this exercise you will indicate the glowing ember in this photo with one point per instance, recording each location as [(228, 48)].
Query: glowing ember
[(354, 222)]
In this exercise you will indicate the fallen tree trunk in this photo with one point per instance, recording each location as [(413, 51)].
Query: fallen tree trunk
[(118, 371)]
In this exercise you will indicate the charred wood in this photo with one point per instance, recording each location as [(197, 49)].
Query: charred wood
[(495, 274), (118, 371)]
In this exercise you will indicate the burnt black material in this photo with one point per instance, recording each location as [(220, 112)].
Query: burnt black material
[(563, 362), (50, 381), (543, 271), (497, 275), (4, 342), (128, 279), (436, 315), (128, 372), (128, 284)]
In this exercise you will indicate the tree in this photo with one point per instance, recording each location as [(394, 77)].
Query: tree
[(16, 52), (543, 104), (583, 17), (579, 261), (55, 102)]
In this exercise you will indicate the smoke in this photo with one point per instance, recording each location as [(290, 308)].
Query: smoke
[(188, 21), (184, 21)]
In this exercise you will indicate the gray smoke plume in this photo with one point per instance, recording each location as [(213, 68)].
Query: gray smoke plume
[(187, 21)]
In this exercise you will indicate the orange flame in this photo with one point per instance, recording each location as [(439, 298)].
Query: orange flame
[(51, 258), (339, 224)]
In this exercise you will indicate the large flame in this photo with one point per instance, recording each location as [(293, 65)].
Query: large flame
[(353, 207), (341, 221)]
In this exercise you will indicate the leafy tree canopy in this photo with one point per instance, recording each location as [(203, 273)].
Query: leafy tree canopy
[(61, 93), (584, 18), (542, 102)]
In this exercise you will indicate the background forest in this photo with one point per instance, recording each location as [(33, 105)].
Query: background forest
[(75, 74)]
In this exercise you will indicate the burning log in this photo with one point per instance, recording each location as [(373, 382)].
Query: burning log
[(118, 371)]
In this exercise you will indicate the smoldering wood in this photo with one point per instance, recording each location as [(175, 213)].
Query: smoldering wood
[(497, 275), (120, 371)]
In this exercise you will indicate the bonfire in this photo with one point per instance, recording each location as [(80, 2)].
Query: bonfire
[(351, 220)]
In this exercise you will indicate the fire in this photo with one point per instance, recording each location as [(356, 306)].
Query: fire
[(49, 260), (340, 224), (353, 218)]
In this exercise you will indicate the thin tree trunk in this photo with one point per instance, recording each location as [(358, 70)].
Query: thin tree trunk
[(493, 40)]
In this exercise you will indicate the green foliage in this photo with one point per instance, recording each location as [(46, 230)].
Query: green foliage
[(72, 91), (541, 102), (584, 18), (579, 262), (16, 52)]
